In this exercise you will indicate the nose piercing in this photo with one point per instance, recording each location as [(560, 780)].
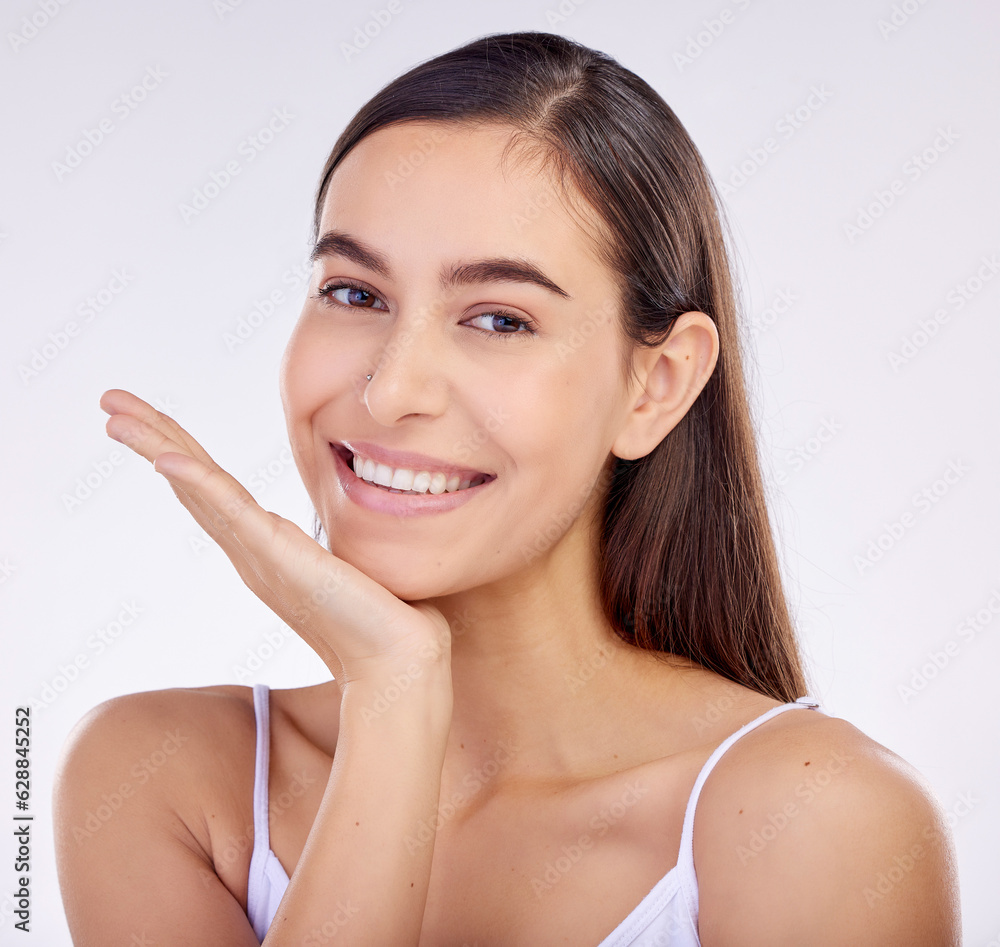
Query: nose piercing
[(369, 377)]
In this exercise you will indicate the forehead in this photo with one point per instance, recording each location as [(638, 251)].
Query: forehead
[(439, 192)]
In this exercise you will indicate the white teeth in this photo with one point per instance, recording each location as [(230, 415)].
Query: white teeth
[(402, 479), (410, 481)]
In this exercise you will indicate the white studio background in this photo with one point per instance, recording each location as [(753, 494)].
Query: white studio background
[(858, 145)]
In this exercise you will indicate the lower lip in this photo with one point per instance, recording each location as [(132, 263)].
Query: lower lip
[(378, 500)]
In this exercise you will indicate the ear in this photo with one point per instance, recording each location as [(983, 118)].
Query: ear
[(670, 378)]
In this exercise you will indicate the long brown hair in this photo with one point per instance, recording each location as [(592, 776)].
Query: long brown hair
[(688, 560)]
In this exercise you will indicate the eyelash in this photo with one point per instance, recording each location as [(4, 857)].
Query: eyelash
[(326, 292)]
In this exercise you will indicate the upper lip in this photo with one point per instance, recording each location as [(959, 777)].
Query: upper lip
[(409, 460)]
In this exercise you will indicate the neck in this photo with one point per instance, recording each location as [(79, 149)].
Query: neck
[(543, 685)]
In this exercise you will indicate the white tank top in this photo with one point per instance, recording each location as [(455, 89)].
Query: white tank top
[(666, 917)]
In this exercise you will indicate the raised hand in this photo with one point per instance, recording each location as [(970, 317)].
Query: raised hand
[(356, 626)]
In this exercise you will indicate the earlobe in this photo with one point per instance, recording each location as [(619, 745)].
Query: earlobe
[(672, 375)]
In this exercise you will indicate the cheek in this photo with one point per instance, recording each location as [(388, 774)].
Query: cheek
[(313, 367), (312, 373)]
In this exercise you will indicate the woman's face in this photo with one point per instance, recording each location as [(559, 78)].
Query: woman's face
[(477, 368)]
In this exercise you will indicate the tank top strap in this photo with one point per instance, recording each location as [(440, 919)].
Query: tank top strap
[(685, 860), (256, 901)]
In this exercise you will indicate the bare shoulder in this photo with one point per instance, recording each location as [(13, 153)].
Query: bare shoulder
[(148, 787), (185, 754), (809, 831), (142, 748), (197, 718)]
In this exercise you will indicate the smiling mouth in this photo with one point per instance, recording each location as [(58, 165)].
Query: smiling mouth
[(408, 481)]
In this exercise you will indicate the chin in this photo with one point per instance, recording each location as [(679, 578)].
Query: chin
[(397, 575)]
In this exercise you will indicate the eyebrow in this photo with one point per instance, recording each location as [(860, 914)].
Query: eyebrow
[(492, 270)]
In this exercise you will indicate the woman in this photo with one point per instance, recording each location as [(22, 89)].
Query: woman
[(550, 603)]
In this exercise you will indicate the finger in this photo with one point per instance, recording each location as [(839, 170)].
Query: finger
[(118, 402)]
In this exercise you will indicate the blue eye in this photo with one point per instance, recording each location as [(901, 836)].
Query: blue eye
[(510, 317), (326, 293)]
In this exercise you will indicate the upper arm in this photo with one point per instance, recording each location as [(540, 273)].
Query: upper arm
[(839, 841), (132, 869)]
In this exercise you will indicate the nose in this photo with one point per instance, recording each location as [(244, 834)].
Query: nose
[(408, 378)]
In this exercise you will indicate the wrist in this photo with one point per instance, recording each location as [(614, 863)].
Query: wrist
[(429, 662), (410, 684)]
